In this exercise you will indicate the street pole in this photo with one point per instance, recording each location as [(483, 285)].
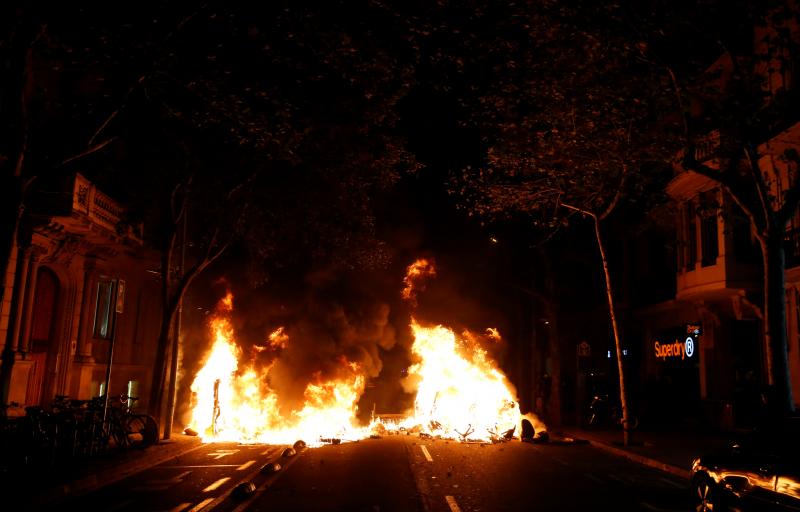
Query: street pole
[(117, 309), (176, 334)]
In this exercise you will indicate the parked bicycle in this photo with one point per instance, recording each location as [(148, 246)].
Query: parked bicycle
[(126, 429)]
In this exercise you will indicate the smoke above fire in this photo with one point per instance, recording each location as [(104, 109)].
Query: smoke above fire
[(305, 371)]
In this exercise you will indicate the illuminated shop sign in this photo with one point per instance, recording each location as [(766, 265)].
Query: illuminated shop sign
[(683, 349)]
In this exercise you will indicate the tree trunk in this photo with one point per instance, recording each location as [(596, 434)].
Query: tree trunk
[(11, 213), (160, 362), (623, 396), (775, 336), (554, 346)]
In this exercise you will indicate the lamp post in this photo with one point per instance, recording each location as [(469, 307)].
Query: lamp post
[(176, 333), (119, 306)]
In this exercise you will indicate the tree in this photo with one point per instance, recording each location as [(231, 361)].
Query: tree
[(730, 110), (297, 106), (567, 120)]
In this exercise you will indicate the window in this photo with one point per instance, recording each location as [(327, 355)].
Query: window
[(709, 239), (708, 228), (103, 309), (691, 237)]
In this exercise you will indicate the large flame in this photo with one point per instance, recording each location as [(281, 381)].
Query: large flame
[(236, 404), (460, 391)]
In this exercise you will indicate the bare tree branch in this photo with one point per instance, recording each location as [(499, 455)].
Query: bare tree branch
[(93, 149)]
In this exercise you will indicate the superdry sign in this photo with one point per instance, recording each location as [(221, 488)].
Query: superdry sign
[(677, 349), (683, 346)]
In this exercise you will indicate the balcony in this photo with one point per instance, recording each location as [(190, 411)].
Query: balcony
[(100, 210)]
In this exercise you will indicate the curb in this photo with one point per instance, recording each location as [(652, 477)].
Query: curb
[(641, 459), (113, 474)]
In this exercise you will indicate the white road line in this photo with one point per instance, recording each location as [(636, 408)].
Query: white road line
[(266, 451), (200, 506), (245, 465), (218, 454), (425, 453), (451, 502), (181, 507), (216, 484), (180, 477)]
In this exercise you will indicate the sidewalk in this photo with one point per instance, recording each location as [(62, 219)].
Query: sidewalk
[(668, 450), (50, 489)]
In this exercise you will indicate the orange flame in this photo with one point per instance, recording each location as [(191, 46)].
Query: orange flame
[(416, 275), (278, 339), (459, 390), (236, 404)]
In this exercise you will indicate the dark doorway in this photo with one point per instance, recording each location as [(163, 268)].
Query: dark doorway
[(42, 346)]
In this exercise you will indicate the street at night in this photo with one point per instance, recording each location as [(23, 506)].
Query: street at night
[(393, 255), (396, 473)]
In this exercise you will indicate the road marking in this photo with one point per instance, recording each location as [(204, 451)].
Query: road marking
[(451, 502), (181, 507), (216, 484), (425, 453), (562, 462), (266, 451), (245, 465), (218, 454), (200, 506)]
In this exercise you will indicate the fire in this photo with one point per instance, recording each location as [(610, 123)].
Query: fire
[(278, 339), (416, 274), (460, 391), (234, 403)]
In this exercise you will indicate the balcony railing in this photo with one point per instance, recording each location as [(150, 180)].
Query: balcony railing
[(101, 209), (706, 147)]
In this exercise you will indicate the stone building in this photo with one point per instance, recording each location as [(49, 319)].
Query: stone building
[(79, 279)]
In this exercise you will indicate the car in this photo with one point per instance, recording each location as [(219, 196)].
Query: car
[(760, 471)]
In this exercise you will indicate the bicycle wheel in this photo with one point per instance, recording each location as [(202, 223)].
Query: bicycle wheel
[(142, 431)]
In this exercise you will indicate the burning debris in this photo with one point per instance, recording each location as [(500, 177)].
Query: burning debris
[(460, 392), (305, 381)]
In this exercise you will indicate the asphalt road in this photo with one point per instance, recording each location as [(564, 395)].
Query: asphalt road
[(395, 473)]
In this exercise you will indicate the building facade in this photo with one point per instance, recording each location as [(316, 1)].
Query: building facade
[(82, 280), (705, 346), (703, 352)]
